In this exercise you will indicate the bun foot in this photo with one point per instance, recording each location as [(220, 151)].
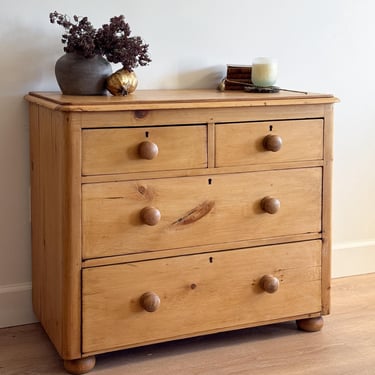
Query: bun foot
[(310, 324), (80, 365)]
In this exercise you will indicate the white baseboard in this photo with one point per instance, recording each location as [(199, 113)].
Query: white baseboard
[(16, 307), (353, 258), (348, 259)]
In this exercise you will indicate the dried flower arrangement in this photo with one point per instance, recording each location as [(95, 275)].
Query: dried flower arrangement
[(113, 40)]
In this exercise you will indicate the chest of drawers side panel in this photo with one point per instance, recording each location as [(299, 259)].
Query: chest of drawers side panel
[(327, 209), (55, 202)]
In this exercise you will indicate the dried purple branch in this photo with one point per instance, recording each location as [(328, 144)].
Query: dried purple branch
[(112, 40), (79, 36), (119, 47)]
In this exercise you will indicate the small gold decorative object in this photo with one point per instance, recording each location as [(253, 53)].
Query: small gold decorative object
[(221, 86), (122, 82)]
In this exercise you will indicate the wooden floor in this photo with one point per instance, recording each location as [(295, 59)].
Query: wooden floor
[(346, 345)]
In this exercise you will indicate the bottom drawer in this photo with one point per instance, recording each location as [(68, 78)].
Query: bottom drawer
[(198, 294)]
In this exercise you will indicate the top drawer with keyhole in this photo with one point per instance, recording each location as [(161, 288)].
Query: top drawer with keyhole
[(269, 142), (125, 150)]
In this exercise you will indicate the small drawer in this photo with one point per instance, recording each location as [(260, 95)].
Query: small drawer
[(152, 215), (269, 142), (124, 150), (138, 303)]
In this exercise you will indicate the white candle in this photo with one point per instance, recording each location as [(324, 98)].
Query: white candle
[(264, 71)]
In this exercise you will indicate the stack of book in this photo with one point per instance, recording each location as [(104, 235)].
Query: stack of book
[(238, 76)]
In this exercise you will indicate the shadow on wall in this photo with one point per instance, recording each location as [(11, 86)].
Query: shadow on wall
[(201, 79), (188, 78)]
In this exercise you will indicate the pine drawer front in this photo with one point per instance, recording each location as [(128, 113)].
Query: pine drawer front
[(200, 210), (124, 150), (196, 295), (269, 142)]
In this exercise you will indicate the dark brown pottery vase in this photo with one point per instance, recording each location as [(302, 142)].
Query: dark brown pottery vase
[(78, 75)]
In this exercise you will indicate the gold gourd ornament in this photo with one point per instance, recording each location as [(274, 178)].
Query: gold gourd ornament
[(122, 82)]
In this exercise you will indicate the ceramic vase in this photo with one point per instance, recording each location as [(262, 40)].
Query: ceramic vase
[(78, 75)]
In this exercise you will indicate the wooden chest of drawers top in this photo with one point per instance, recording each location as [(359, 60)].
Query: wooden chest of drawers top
[(143, 100)]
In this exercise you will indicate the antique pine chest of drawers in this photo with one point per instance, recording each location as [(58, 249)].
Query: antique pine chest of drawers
[(170, 214)]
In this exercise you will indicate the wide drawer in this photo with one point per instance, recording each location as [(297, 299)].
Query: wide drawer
[(268, 142), (107, 151), (198, 294), (158, 214)]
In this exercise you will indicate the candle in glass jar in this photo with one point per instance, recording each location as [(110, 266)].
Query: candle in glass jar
[(264, 71)]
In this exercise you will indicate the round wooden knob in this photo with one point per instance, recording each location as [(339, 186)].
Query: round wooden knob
[(270, 205), (150, 215), (150, 301), (272, 142), (269, 283), (148, 150)]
